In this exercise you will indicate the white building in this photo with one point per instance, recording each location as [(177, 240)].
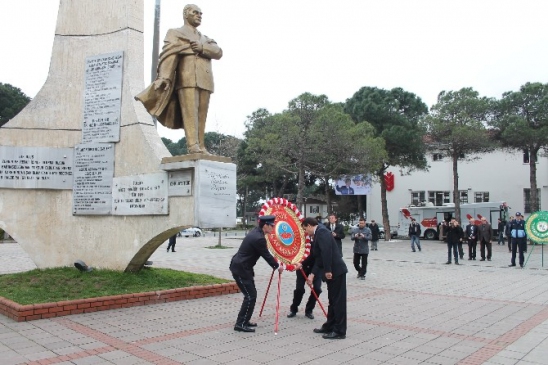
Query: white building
[(496, 176)]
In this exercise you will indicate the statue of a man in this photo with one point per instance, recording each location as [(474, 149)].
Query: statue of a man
[(179, 97)]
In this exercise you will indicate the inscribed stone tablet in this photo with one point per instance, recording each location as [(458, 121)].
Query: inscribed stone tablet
[(140, 194), (36, 167), (93, 174), (102, 98)]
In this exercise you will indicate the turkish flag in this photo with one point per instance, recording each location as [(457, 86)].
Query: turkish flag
[(389, 181)]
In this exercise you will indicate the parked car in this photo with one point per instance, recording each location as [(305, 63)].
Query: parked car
[(192, 231)]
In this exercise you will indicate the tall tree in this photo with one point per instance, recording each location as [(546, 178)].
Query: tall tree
[(339, 146), (395, 116), (522, 123), (456, 128), (12, 101)]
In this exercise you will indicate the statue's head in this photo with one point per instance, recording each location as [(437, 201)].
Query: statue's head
[(192, 15)]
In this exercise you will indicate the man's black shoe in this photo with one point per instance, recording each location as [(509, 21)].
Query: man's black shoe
[(488, 259), (512, 265), (291, 314), (320, 330), (243, 328), (521, 266), (469, 258), (457, 263), (309, 315), (251, 324), (333, 336), (461, 257), (448, 262), (482, 260)]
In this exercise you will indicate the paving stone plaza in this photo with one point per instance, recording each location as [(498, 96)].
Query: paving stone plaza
[(411, 309)]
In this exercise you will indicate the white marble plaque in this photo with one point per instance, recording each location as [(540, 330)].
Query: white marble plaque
[(102, 98), (216, 205), (93, 174), (180, 183), (36, 167), (140, 194)]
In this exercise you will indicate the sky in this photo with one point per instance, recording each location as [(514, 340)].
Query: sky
[(275, 50)]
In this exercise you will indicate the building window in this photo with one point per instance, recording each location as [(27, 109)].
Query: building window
[(437, 157), (314, 209), (527, 200), (463, 196), (438, 197), (417, 198), (481, 196)]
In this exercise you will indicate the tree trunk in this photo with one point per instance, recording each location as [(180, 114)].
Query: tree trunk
[(220, 234), (384, 207), (300, 187), (456, 194), (533, 179), (327, 195)]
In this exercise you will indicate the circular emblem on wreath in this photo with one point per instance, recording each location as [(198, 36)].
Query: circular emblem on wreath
[(288, 243), (536, 227)]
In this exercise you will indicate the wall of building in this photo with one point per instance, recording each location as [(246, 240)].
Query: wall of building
[(503, 175)]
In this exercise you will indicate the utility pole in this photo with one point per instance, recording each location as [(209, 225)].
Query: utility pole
[(155, 44)]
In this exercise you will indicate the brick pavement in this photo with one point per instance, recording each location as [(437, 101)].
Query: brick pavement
[(411, 309)]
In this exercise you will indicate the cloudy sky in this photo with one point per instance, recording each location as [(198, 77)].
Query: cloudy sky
[(276, 50)]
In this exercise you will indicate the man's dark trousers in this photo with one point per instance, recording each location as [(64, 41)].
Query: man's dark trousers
[(336, 313), (484, 244), (247, 287), (519, 244), (299, 293)]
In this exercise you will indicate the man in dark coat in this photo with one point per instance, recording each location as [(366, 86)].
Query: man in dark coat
[(253, 246), (454, 236), (329, 263), (485, 234), (471, 235), (375, 233), (337, 231)]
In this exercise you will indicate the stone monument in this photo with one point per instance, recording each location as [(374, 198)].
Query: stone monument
[(84, 174)]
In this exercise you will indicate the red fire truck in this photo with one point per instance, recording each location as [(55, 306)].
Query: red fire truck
[(430, 217)]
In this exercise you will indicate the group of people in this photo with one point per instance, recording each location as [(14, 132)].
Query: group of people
[(324, 263), (483, 233)]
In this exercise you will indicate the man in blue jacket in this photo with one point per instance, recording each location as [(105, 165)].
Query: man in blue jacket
[(329, 263), (519, 239)]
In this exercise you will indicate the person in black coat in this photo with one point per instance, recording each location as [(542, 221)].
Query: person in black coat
[(253, 246), (454, 236), (337, 230), (471, 235), (329, 264), (299, 291), (172, 242)]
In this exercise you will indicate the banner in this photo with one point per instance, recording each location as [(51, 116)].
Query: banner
[(353, 184)]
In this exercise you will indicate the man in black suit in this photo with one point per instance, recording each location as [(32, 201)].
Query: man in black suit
[(253, 246), (329, 263), (337, 231)]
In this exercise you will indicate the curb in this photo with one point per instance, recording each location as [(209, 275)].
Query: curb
[(31, 312)]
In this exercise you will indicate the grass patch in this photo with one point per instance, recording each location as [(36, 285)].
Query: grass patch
[(67, 283)]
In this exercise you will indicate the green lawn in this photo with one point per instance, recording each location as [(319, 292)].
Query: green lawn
[(67, 283)]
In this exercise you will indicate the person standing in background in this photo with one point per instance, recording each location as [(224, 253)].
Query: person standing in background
[(375, 233), (337, 231), (485, 234)]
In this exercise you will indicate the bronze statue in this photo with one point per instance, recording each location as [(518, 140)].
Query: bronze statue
[(179, 97)]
